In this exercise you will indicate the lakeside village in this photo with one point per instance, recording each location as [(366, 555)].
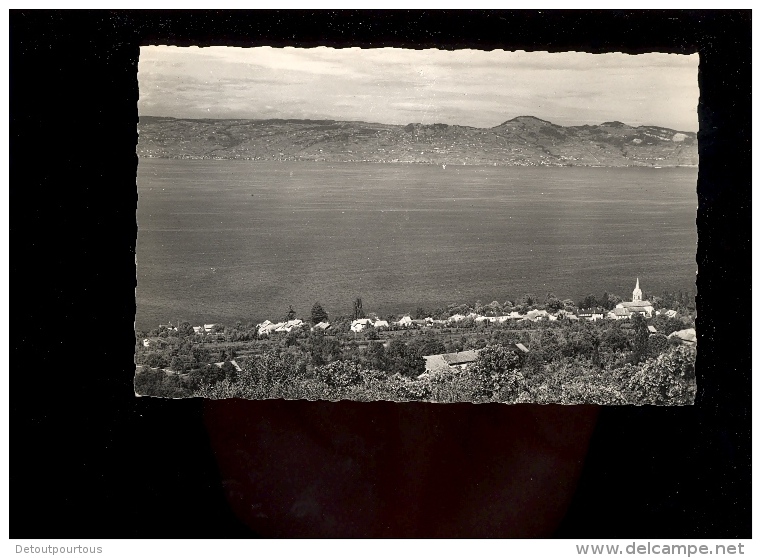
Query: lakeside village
[(606, 351)]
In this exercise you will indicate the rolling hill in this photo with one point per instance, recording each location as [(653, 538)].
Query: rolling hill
[(525, 140)]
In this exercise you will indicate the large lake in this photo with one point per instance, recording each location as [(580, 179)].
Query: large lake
[(221, 241)]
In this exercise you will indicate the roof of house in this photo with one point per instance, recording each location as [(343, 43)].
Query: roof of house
[(638, 303), (652, 329), (590, 311), (322, 325), (381, 323), (435, 362), (522, 347), (621, 311), (463, 357), (687, 335)]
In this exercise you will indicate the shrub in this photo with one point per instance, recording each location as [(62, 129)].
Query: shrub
[(339, 374), (495, 374), (666, 380)]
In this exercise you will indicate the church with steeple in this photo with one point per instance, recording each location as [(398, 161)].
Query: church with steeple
[(625, 310)]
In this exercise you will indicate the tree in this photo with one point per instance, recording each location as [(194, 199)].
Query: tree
[(589, 301), (231, 374), (291, 314), (420, 313), (496, 373), (528, 299), (358, 312), (319, 314), (403, 359), (177, 365), (553, 303), (640, 338), (611, 301), (376, 356)]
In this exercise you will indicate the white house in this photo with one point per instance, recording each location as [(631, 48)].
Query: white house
[(269, 328), (380, 323), (406, 321), (456, 318), (536, 315), (208, 327), (591, 314), (289, 326), (322, 326), (359, 325), (146, 342)]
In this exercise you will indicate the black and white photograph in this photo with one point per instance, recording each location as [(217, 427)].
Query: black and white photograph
[(412, 275), (416, 225)]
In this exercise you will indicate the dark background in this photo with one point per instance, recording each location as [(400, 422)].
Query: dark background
[(88, 459)]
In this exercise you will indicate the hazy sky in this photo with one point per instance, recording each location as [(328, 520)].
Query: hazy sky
[(399, 86)]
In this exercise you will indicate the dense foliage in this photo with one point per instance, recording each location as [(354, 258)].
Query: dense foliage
[(604, 362)]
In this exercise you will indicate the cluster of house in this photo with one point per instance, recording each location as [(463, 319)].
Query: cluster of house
[(267, 327), (622, 311)]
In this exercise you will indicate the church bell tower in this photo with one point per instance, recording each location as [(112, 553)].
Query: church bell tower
[(637, 293)]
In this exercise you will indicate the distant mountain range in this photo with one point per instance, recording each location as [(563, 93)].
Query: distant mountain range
[(525, 140)]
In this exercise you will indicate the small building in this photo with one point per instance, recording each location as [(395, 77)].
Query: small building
[(146, 342), (456, 318), (406, 321), (270, 328), (652, 329), (322, 326), (461, 359), (591, 314), (208, 327), (536, 315), (619, 314), (419, 323), (380, 323), (359, 325), (671, 313), (197, 329), (289, 326), (448, 361)]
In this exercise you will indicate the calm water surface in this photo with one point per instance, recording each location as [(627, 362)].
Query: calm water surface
[(221, 241)]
